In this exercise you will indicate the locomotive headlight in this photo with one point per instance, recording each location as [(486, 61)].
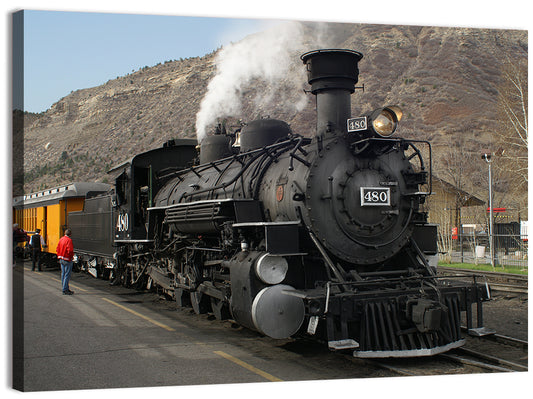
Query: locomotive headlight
[(384, 121)]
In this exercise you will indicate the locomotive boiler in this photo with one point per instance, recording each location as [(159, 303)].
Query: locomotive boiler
[(290, 235)]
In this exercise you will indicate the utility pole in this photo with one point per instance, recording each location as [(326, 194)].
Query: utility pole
[(487, 156)]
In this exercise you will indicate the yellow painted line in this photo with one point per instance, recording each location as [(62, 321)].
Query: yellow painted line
[(225, 355), (139, 315), (247, 366)]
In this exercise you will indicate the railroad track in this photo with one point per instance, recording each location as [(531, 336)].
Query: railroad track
[(503, 339), (468, 359), (481, 360), (490, 362), (502, 282)]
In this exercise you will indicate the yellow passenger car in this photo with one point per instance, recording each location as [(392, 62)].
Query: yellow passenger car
[(48, 210)]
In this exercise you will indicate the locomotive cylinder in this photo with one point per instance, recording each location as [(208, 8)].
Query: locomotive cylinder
[(260, 303)]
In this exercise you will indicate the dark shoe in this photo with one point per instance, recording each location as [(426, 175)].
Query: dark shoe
[(68, 292)]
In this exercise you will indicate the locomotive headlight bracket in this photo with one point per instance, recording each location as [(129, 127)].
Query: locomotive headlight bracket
[(384, 121)]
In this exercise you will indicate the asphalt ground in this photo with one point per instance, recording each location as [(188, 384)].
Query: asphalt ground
[(105, 337), (111, 337)]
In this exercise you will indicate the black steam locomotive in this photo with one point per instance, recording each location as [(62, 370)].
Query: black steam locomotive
[(289, 235)]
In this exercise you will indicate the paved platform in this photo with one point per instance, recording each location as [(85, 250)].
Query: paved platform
[(113, 337)]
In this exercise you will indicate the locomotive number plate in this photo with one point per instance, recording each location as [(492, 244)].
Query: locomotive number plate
[(357, 124), (375, 196)]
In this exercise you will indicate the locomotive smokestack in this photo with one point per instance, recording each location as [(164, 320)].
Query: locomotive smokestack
[(332, 75)]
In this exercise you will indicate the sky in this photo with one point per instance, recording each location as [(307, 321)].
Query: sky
[(67, 51)]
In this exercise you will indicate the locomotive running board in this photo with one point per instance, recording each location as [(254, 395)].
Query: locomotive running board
[(410, 352)]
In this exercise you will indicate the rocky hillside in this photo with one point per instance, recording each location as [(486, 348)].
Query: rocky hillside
[(445, 79)]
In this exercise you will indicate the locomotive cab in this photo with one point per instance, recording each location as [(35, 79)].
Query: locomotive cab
[(139, 179)]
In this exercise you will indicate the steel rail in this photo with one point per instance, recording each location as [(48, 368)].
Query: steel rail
[(475, 363), (503, 339), (500, 282), (498, 361), (505, 276)]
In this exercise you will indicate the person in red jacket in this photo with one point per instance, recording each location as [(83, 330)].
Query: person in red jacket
[(65, 253)]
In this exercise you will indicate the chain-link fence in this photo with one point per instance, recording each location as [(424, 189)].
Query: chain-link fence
[(510, 245)]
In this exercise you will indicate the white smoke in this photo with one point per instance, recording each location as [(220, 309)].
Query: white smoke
[(322, 35), (265, 56)]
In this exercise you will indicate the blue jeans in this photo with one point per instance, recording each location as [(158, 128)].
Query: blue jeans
[(66, 269)]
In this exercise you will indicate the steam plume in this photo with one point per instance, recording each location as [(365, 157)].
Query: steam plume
[(264, 57)]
